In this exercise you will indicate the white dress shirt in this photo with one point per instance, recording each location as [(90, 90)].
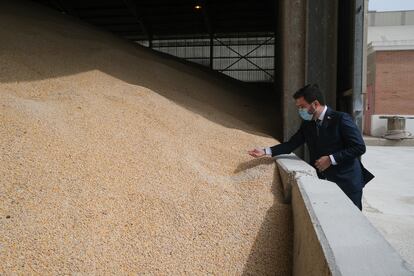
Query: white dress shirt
[(268, 151)]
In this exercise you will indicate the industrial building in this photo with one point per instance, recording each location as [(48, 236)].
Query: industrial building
[(390, 70)]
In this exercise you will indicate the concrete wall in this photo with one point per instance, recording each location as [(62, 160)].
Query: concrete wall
[(331, 236)]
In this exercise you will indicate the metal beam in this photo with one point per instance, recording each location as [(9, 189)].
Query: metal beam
[(66, 7), (211, 51), (245, 56), (132, 7), (104, 13), (209, 28), (205, 43), (206, 16)]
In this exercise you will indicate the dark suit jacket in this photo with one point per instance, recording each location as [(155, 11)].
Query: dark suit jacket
[(338, 135)]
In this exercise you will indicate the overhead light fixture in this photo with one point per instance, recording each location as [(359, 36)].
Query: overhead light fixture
[(197, 7)]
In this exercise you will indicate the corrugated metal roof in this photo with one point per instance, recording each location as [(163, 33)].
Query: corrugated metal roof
[(166, 19)]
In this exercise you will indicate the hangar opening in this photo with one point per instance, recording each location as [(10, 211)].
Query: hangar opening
[(234, 38), (272, 45)]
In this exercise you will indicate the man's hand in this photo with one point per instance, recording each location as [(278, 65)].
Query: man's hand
[(323, 163), (257, 153)]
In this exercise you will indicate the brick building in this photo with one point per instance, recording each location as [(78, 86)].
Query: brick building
[(390, 69)]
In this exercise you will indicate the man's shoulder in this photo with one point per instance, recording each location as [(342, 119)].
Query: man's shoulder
[(335, 114), (339, 118)]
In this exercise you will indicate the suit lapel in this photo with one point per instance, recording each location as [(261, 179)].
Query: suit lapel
[(327, 120)]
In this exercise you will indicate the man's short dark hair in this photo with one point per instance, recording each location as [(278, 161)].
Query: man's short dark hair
[(310, 93)]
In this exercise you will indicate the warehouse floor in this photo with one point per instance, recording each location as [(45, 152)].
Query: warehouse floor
[(389, 198)]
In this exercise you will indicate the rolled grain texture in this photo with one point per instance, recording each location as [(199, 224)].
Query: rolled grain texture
[(115, 160)]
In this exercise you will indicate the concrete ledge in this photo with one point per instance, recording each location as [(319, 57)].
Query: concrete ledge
[(291, 168), (378, 141), (349, 242), (331, 236)]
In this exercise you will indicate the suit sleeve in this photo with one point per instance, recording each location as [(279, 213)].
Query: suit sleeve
[(294, 142), (352, 139)]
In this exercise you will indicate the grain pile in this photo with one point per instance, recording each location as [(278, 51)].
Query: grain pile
[(116, 160)]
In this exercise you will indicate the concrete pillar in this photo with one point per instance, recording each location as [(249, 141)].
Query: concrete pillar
[(364, 63), (292, 39), (358, 70), (322, 29)]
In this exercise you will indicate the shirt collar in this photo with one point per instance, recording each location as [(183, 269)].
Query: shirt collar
[(323, 113)]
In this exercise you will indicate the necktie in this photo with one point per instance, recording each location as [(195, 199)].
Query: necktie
[(318, 122), (318, 125)]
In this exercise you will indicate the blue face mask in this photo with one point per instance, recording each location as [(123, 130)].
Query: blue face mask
[(304, 114)]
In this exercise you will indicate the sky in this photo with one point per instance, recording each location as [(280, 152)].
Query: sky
[(390, 5)]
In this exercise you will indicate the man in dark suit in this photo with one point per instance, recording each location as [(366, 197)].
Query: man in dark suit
[(334, 141)]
